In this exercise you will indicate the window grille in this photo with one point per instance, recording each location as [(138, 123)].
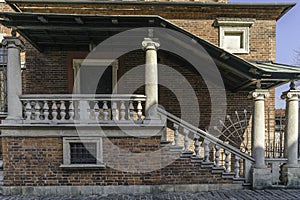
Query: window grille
[(83, 153)]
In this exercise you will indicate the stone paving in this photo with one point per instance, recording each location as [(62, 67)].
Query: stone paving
[(213, 195)]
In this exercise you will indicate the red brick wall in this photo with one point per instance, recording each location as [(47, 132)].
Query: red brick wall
[(36, 161), (46, 73), (262, 38), (5, 8)]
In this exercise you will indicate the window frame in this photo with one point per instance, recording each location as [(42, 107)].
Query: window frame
[(235, 25), (67, 152), (244, 33)]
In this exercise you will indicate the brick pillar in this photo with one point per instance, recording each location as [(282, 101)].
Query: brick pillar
[(14, 78)]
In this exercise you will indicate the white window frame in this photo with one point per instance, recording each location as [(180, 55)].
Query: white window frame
[(234, 25), (244, 31), (67, 152), (94, 62)]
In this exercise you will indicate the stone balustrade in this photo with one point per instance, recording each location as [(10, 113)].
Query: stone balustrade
[(210, 150), (82, 108)]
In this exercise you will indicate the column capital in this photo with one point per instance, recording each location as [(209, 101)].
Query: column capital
[(150, 44), (259, 94), (13, 42), (291, 95)]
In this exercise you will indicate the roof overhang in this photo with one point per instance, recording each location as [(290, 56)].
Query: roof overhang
[(52, 32), (166, 9)]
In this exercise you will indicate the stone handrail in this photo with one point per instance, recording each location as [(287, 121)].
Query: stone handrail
[(90, 108), (210, 155)]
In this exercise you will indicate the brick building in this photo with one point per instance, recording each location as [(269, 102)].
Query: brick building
[(82, 113)]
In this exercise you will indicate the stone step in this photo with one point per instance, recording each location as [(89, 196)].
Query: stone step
[(196, 159), (247, 185), (207, 165), (186, 154), (217, 170), (175, 148), (165, 144), (239, 180), (228, 175)]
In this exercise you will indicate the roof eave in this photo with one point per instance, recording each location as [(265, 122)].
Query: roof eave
[(156, 2)]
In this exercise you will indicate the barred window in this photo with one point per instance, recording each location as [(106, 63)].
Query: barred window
[(83, 153), (3, 79)]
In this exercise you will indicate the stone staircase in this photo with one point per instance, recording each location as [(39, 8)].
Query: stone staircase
[(209, 152), (209, 166)]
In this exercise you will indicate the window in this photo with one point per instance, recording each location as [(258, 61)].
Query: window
[(234, 34), (84, 152), (108, 82)]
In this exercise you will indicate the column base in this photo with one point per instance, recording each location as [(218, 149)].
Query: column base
[(261, 178), (12, 120), (290, 176)]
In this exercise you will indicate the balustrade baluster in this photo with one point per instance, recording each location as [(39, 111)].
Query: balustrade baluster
[(89, 110), (46, 110), (196, 145), (105, 111), (227, 161), (28, 110), (37, 110), (54, 110), (62, 110), (237, 167), (176, 134), (96, 109), (131, 110), (186, 140), (206, 151), (114, 111), (217, 156), (122, 111), (139, 108), (71, 110)]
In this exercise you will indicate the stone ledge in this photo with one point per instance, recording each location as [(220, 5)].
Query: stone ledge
[(83, 166), (130, 189), (83, 131)]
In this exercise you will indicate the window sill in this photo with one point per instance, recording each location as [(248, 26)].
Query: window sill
[(83, 166), (236, 51)]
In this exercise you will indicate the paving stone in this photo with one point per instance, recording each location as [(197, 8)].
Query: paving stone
[(213, 195)]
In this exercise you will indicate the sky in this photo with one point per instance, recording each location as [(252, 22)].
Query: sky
[(287, 39)]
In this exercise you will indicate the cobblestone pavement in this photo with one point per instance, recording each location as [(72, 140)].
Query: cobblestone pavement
[(214, 195)]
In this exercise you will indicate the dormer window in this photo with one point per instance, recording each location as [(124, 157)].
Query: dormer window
[(234, 34)]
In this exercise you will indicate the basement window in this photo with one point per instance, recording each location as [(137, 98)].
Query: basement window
[(234, 34), (84, 152)]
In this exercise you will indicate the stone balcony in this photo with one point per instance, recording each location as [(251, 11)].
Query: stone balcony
[(83, 109)]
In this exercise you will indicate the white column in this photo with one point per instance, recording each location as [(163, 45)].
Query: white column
[(151, 73), (258, 147), (14, 77), (292, 106)]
